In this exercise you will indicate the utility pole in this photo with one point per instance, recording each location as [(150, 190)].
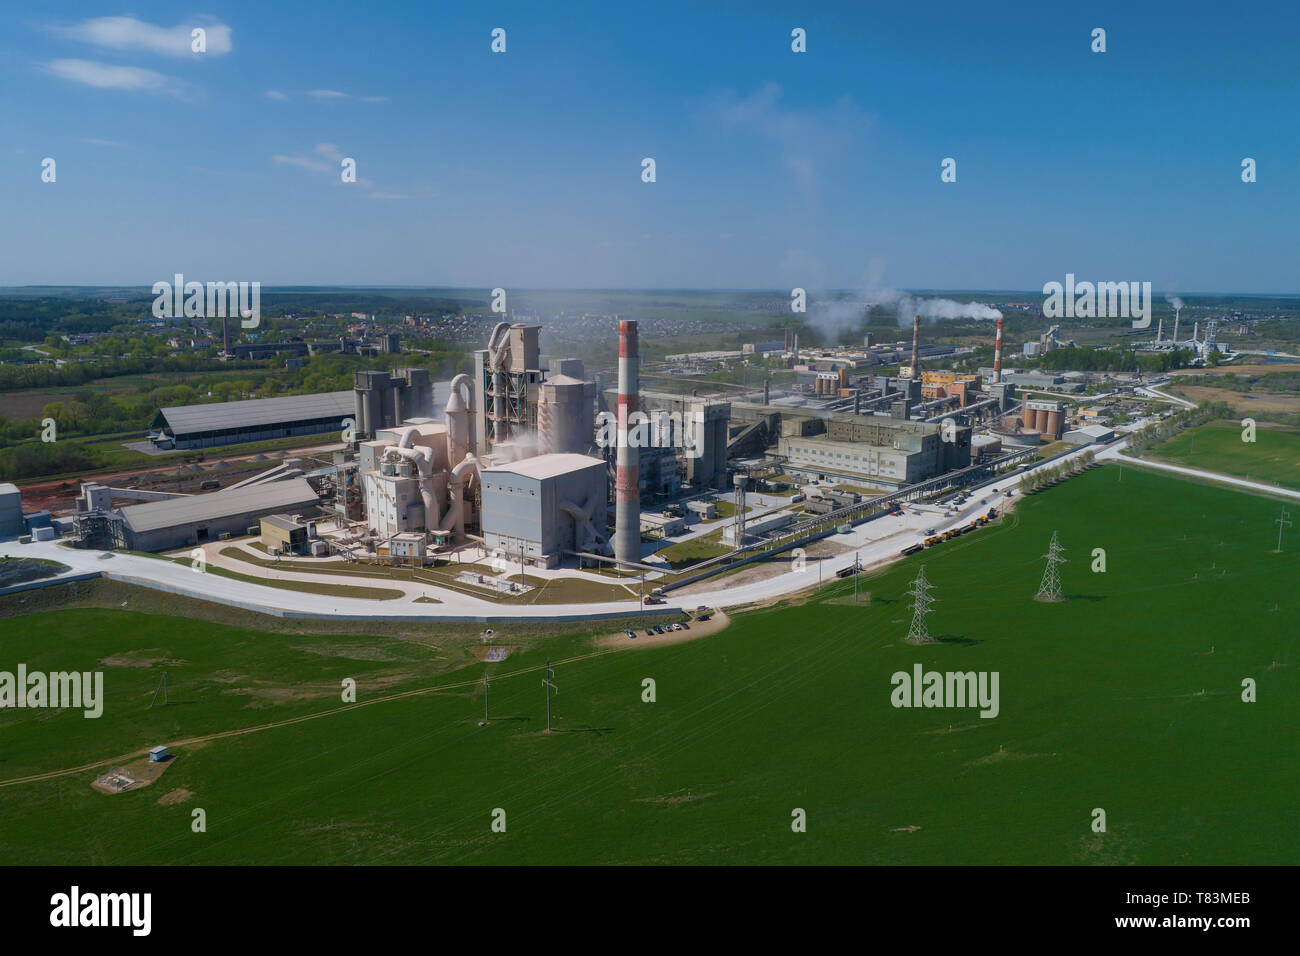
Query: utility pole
[(1283, 521), (549, 684), (486, 685)]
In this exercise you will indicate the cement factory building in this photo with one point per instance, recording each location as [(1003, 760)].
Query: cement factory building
[(539, 508)]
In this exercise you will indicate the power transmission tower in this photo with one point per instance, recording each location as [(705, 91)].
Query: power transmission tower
[(162, 686), (918, 633), (1282, 521), (1050, 588), (548, 682)]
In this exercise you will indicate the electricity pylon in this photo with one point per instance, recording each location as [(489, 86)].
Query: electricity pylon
[(1050, 588), (918, 633)]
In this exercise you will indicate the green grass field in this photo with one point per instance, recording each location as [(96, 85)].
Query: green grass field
[(1126, 697), (1274, 456)]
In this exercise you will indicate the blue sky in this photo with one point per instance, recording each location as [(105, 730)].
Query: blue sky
[(774, 169)]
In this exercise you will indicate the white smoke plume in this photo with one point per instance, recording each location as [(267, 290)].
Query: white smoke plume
[(1175, 301), (831, 316)]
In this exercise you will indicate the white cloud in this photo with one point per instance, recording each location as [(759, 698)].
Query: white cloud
[(805, 138), (128, 33), (105, 76), (104, 142), (325, 158), (275, 95), (340, 95)]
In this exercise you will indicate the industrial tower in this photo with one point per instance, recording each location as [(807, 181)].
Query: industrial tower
[(1050, 588), (919, 633)]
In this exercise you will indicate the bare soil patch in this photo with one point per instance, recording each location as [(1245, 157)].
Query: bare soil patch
[(179, 795), (696, 630), (132, 776)]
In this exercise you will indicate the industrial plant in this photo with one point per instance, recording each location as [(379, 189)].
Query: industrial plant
[(529, 461)]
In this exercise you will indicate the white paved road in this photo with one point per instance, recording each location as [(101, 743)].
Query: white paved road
[(875, 541)]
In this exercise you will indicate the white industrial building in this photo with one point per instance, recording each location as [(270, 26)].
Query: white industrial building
[(1089, 435), (537, 508)]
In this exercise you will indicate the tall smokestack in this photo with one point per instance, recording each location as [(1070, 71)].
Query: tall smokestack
[(1176, 311), (997, 355), (916, 335), (627, 507)]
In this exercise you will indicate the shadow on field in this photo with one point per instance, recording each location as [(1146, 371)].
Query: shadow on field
[(582, 730), (951, 639)]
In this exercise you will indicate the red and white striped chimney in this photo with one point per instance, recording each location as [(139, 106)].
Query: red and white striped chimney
[(916, 336), (627, 491), (997, 355)]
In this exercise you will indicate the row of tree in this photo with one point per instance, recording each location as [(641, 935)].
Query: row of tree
[(1157, 433), (1043, 477)]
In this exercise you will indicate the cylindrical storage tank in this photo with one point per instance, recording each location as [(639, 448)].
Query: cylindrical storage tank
[(1054, 424), (1040, 420), (359, 416), (1027, 417)]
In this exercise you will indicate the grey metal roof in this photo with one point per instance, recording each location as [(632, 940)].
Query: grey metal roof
[(547, 466), (254, 412), (289, 494)]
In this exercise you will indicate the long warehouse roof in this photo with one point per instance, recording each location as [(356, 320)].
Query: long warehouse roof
[(250, 413), (289, 493)]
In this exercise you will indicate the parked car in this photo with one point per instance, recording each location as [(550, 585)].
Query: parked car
[(649, 632), (677, 627), (631, 633)]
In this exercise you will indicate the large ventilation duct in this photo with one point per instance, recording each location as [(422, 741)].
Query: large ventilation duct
[(422, 457), (457, 416), (589, 537), (498, 356), (456, 493), (627, 514)]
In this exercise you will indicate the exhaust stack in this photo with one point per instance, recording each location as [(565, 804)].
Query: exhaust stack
[(916, 335), (997, 355), (627, 507)]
